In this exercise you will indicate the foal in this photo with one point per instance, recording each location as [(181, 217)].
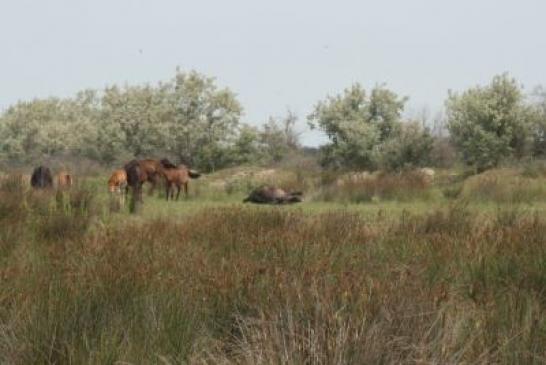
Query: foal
[(64, 180), (117, 184), (177, 176)]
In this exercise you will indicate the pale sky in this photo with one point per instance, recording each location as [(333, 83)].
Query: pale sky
[(275, 55)]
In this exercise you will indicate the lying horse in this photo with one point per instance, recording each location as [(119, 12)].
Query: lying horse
[(177, 176), (41, 178), (272, 195)]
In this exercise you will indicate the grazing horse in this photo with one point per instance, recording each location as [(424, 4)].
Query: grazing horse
[(272, 195), (117, 184), (136, 176), (41, 178), (177, 176), (64, 180), (117, 181)]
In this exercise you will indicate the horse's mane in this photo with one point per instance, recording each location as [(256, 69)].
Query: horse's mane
[(167, 164), (130, 164)]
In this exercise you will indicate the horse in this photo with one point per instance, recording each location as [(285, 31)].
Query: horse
[(117, 184), (118, 181), (153, 170), (177, 176), (136, 177), (41, 178), (273, 195), (64, 180)]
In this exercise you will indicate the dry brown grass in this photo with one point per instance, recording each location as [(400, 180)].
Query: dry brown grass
[(363, 187), (506, 185)]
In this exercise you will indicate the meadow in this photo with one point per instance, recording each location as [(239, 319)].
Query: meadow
[(368, 270)]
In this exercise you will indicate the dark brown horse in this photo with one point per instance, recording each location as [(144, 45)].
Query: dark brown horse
[(272, 195), (136, 177), (41, 178), (150, 171), (177, 176)]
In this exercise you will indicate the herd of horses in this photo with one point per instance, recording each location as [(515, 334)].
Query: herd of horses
[(136, 173)]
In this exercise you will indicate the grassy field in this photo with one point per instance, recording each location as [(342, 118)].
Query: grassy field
[(392, 269)]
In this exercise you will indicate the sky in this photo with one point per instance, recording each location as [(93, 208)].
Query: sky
[(275, 55)]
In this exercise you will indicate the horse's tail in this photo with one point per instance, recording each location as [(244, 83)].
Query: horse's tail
[(193, 174)]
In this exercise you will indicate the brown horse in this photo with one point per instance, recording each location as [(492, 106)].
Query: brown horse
[(64, 180), (153, 169), (117, 181), (177, 176), (272, 195), (117, 185), (136, 177)]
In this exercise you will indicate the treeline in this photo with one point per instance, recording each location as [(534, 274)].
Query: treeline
[(193, 121), (188, 118), (487, 125)]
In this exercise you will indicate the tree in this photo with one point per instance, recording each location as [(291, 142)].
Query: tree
[(204, 120), (279, 137), (488, 124), (38, 129), (247, 147), (409, 147), (357, 124), (539, 126)]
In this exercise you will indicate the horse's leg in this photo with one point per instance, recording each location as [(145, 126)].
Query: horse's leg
[(151, 179), (167, 190), (140, 186), (121, 197), (178, 191), (186, 190)]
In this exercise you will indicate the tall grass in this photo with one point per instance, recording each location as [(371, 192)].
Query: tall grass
[(507, 186), (405, 186), (244, 285)]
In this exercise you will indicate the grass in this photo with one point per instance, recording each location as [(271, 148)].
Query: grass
[(436, 280)]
